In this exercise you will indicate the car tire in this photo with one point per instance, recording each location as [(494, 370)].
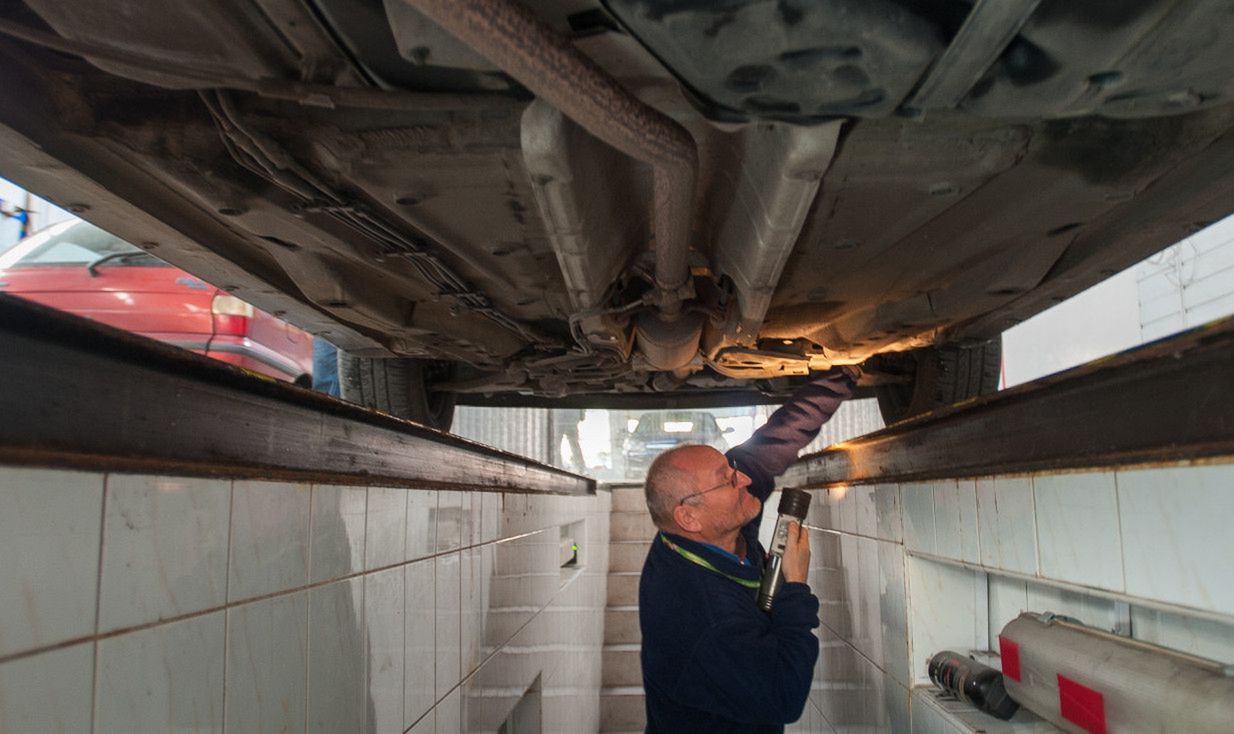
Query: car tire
[(940, 376), (400, 387)]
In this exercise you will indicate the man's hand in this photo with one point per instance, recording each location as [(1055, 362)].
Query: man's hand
[(796, 564), (852, 371)]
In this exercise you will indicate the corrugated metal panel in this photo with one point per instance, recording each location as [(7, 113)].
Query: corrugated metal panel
[(1214, 261), (1169, 304), (1161, 282), (1201, 291), (522, 431), (530, 432), (854, 418), (1214, 236), (1169, 324), (1188, 284), (1214, 309)]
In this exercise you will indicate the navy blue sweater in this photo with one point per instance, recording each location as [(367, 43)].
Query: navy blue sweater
[(712, 660)]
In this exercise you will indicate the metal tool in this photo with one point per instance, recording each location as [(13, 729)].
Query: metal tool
[(794, 503)]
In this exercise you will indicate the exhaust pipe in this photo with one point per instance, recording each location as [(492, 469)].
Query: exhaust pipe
[(509, 35)]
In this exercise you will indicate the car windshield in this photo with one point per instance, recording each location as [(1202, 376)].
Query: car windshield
[(72, 243)]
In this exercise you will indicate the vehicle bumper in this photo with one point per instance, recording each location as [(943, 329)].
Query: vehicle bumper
[(246, 354)]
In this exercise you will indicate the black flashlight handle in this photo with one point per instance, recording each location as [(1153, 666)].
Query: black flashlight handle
[(794, 505)]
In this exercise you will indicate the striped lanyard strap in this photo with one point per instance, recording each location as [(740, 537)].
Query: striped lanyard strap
[(700, 561)]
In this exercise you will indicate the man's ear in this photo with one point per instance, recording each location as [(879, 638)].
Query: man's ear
[(686, 518)]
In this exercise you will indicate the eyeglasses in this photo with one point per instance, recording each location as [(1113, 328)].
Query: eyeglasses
[(733, 481)]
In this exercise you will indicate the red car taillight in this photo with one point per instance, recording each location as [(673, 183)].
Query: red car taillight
[(231, 315)]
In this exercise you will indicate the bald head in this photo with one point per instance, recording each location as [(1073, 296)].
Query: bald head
[(673, 475)]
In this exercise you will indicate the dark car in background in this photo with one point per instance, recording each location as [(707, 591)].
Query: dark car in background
[(77, 267), (662, 430)]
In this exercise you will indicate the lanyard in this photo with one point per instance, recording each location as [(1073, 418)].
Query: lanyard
[(700, 561)]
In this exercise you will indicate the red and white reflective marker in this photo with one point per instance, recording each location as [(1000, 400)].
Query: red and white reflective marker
[(1081, 705), (1010, 654), (1077, 703)]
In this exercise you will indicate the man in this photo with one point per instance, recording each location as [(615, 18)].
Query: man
[(325, 367), (712, 660)]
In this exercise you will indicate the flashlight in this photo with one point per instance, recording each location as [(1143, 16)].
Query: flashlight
[(794, 503)]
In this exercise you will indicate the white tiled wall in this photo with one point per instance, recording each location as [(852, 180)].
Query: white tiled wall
[(183, 524), (163, 677), (1177, 524), (904, 571), (267, 654), (1007, 523), (1078, 536), (49, 539), (140, 603)]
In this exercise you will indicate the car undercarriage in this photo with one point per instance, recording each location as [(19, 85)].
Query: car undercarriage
[(660, 202)]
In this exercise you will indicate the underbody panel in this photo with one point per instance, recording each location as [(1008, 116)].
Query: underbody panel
[(867, 177)]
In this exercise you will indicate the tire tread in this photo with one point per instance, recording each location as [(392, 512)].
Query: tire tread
[(944, 375), (395, 386)]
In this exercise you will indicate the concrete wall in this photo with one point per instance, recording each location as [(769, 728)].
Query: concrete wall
[(905, 571), (143, 603)]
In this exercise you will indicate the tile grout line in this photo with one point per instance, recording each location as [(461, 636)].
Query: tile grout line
[(433, 590), (402, 540), (1032, 487), (231, 494), (496, 649), (98, 603), (308, 653), (852, 646), (365, 652), (228, 605), (977, 520), (1058, 584), (475, 546), (539, 611), (436, 632), (1118, 512), (402, 693), (308, 598), (998, 529), (308, 548), (459, 640)]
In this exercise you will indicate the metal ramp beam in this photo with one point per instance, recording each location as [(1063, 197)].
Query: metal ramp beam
[(1171, 400), (77, 394)]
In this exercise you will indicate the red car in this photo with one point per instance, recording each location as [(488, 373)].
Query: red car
[(77, 267)]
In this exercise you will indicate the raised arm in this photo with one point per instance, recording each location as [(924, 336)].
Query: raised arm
[(775, 445)]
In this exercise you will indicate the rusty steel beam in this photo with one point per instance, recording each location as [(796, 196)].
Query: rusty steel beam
[(515, 40), (1171, 400), (76, 394)]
